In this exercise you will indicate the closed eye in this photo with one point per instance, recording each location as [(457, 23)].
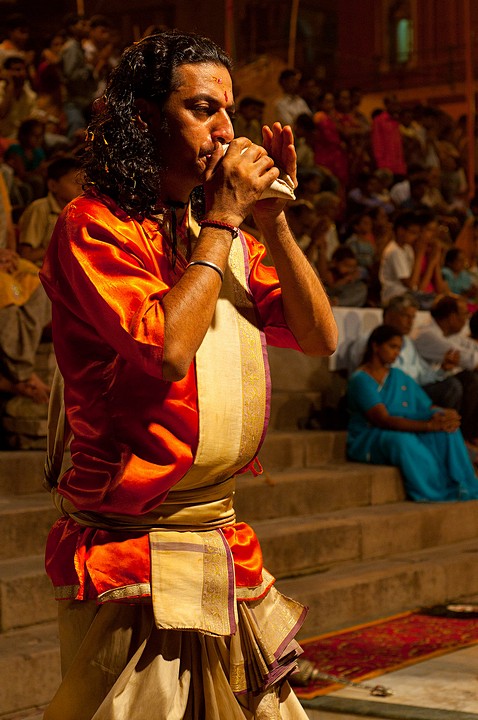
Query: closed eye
[(204, 110)]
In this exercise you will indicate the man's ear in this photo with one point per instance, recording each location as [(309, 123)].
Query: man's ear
[(143, 115)]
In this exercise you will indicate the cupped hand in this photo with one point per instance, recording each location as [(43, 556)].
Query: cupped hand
[(278, 142), (234, 181), (451, 359)]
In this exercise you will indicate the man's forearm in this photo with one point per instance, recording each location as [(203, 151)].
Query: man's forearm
[(306, 305)]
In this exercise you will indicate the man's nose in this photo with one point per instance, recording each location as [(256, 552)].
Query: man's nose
[(223, 131)]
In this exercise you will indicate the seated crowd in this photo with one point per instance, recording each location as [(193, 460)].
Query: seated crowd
[(381, 212), (45, 101)]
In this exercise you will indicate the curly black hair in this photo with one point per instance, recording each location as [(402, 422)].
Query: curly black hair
[(121, 159)]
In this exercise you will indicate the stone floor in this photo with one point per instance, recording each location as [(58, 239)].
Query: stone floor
[(443, 688)]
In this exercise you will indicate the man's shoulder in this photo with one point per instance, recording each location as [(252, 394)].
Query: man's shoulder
[(430, 331), (37, 207), (391, 248), (103, 218)]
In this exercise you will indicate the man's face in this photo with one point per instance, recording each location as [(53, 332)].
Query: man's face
[(252, 112), (100, 35), (18, 73), (290, 85), (429, 231), (401, 319), (67, 188), (343, 101), (409, 235), (81, 29), (194, 119), (19, 36), (347, 266)]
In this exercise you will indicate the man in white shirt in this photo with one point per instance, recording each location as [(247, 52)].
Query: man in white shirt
[(291, 104), (443, 335)]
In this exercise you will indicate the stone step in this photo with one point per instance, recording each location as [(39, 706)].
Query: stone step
[(290, 410), (301, 545), (21, 472), (354, 593), (26, 593), (303, 448), (24, 524), (29, 668), (290, 546), (37, 714), (279, 493)]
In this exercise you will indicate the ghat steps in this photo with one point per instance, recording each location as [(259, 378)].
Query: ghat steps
[(338, 536)]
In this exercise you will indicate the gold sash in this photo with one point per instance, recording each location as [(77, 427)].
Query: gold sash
[(231, 380)]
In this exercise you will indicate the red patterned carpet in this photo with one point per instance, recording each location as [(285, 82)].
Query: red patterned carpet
[(370, 650)]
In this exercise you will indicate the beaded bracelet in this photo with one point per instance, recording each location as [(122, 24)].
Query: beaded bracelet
[(209, 264), (220, 225)]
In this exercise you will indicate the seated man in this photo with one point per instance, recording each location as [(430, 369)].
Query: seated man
[(342, 278), (444, 389), (443, 337), (25, 312), (38, 221)]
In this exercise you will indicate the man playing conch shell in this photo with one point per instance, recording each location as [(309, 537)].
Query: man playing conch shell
[(162, 309)]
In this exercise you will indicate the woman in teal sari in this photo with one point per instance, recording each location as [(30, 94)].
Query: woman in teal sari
[(392, 422)]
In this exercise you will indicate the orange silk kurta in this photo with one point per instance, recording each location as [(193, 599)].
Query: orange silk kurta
[(135, 434)]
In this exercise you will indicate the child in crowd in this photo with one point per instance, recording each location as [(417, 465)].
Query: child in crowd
[(27, 158), (309, 185), (37, 222), (431, 245), (303, 135), (459, 279), (362, 242), (342, 279), (400, 266), (327, 207)]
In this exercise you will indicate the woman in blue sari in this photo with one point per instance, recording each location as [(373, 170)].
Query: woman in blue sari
[(392, 422)]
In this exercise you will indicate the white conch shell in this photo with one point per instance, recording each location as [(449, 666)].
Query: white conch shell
[(283, 187)]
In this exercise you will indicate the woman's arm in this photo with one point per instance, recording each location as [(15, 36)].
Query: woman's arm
[(440, 420)]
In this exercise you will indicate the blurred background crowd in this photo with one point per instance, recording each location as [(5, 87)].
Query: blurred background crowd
[(383, 206)]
